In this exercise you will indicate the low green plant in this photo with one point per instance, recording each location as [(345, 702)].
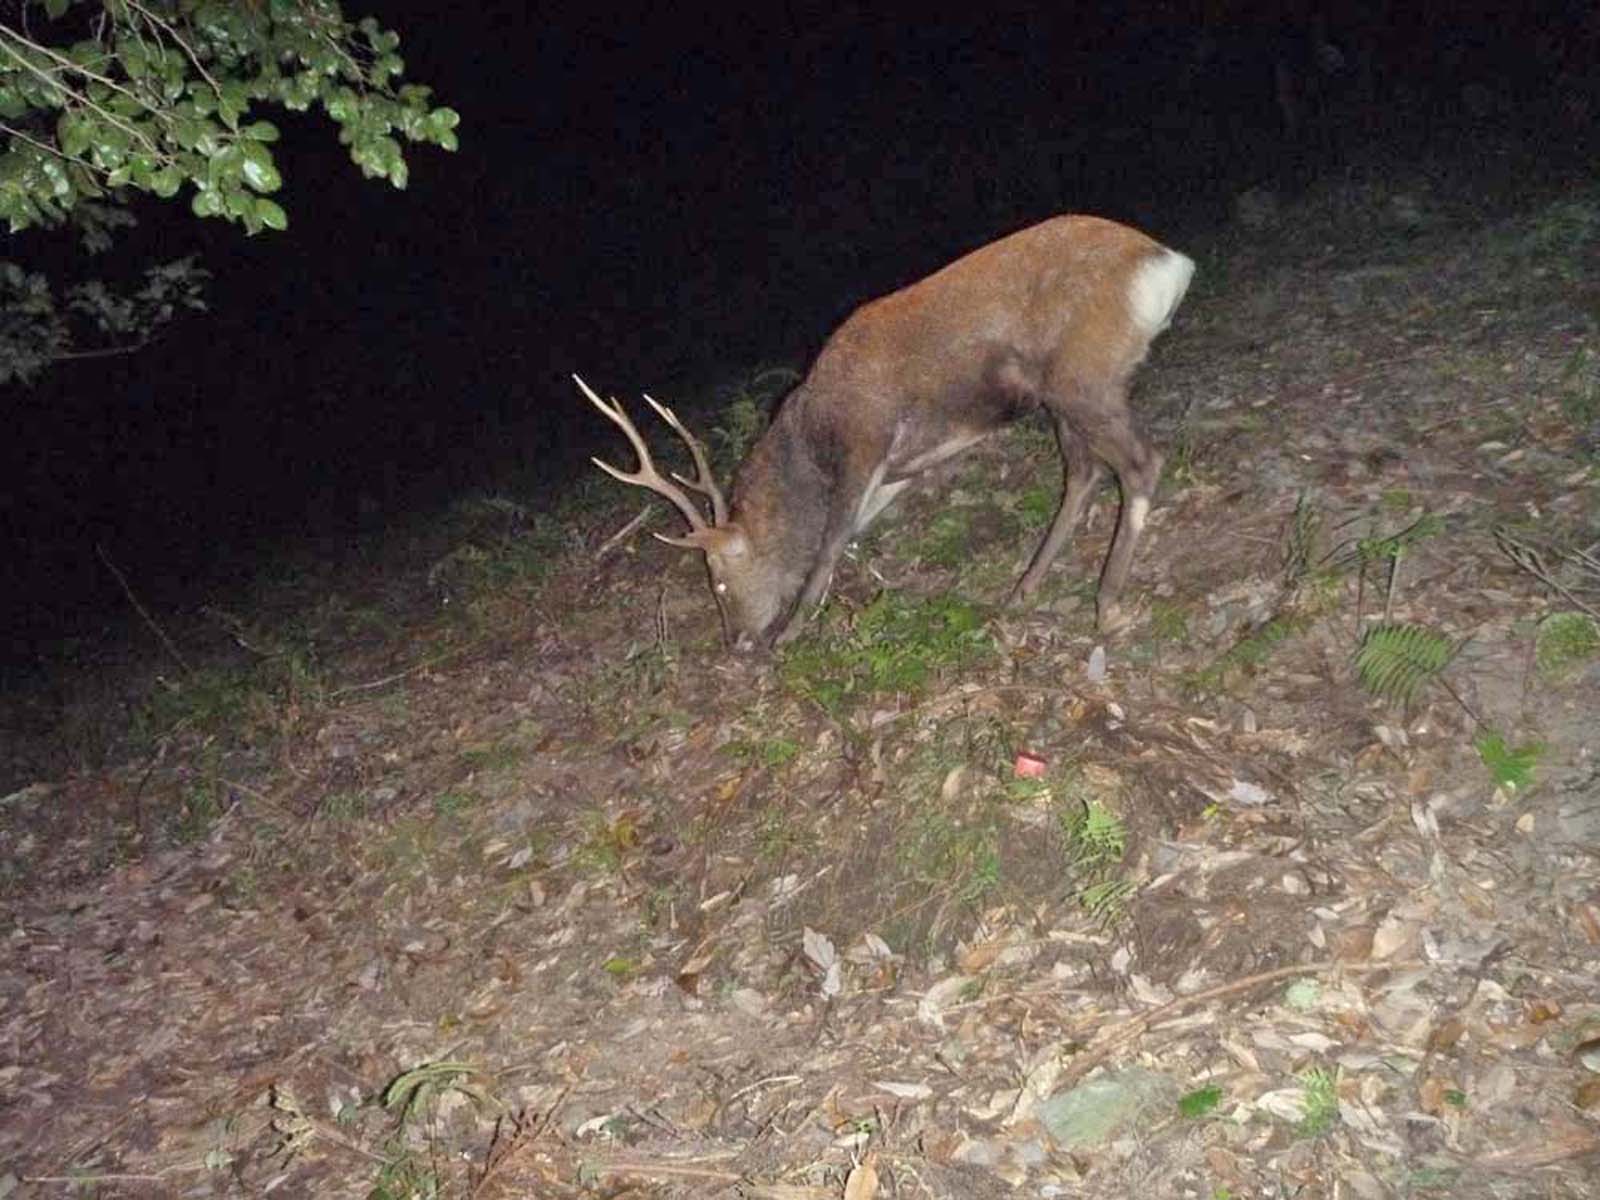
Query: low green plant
[(1196, 1104), (198, 810), (1300, 543), (451, 804), (1249, 652), (766, 752), (411, 1092), (1565, 642), (1511, 767), (1096, 836), (896, 644), (1580, 388), (1559, 237), (1320, 1100), (1395, 661), (941, 851), (1036, 506), (946, 541), (1169, 621), (1096, 841), (746, 404)]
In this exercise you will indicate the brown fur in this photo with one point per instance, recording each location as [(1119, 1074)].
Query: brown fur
[(1045, 318)]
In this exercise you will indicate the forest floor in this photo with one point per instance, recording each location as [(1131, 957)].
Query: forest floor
[(1292, 889)]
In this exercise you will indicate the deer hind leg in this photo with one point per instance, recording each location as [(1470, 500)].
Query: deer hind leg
[(1084, 474), (1138, 468)]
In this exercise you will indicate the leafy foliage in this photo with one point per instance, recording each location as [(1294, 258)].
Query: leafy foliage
[(1395, 660), (41, 324), (1565, 641), (1199, 1102), (1321, 1100), (1510, 766), (102, 97)]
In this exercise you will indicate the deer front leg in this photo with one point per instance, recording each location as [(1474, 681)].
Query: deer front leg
[(848, 512)]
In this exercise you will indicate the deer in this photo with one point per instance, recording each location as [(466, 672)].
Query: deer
[(1056, 317)]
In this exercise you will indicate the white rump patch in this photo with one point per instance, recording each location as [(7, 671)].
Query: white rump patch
[(1157, 287)]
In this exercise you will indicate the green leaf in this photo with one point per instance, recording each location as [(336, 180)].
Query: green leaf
[(165, 182), (258, 169), (207, 202), (55, 8), (271, 214), (260, 131), (1511, 767), (72, 133), (1200, 1101), (1396, 659)]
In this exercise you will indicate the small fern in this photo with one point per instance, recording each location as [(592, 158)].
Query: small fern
[(1107, 900), (1097, 835), (1300, 544), (1395, 660), (1510, 766)]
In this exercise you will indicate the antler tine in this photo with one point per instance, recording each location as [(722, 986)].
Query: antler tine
[(646, 476), (706, 484)]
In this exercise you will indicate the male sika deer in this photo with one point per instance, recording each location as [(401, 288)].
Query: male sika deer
[(1054, 317)]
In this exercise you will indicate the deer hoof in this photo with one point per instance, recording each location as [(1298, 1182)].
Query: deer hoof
[(1113, 619)]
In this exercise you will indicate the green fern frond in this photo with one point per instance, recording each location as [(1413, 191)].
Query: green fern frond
[(1107, 900), (1097, 835), (1510, 766), (1304, 530), (1395, 660)]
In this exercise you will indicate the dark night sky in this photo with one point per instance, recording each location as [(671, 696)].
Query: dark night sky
[(658, 201)]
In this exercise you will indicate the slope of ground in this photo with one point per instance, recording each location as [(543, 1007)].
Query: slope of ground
[(1290, 890)]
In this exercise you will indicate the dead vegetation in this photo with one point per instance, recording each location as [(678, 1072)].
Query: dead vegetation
[(1292, 890)]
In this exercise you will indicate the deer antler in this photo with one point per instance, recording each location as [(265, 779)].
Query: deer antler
[(706, 484), (647, 476)]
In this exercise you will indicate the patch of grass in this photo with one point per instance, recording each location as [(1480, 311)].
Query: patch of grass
[(776, 833), (1565, 642), (1169, 621), (501, 547), (766, 752), (1557, 240), (502, 756), (897, 644), (344, 806), (1396, 501), (1580, 388), (946, 541), (1036, 506), (199, 809), (453, 804)]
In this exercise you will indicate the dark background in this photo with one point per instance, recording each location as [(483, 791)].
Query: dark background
[(664, 199)]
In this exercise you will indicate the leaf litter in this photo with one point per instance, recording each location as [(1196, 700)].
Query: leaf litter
[(582, 906)]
